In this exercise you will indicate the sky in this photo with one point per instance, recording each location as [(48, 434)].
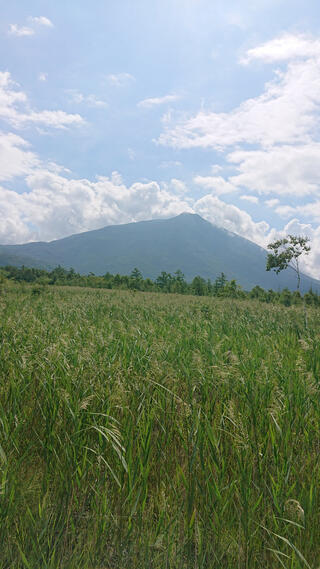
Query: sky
[(118, 111)]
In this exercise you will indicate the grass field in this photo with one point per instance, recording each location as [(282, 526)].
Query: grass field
[(157, 431)]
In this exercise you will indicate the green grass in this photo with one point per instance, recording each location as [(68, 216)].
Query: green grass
[(157, 431)]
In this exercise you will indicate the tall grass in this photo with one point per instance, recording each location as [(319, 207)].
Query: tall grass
[(153, 431)]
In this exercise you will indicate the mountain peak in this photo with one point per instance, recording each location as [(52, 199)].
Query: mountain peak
[(188, 215), (186, 242)]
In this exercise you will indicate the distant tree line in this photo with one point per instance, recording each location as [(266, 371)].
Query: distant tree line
[(165, 283)]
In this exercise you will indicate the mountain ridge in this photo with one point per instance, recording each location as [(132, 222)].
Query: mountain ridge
[(186, 242)]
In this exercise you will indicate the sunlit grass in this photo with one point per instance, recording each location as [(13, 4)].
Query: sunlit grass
[(156, 431)]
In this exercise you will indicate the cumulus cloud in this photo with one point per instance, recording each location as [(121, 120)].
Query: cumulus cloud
[(55, 119), (285, 210), (281, 124), (57, 206), (43, 76), (120, 79), (283, 170), (272, 203), (309, 210), (15, 109), (251, 199), (10, 98), (156, 101), (34, 23), (271, 148), (15, 157), (41, 21), (285, 47), (91, 100), (13, 227), (178, 186), (21, 31), (286, 112), (270, 142), (232, 218), (312, 210), (217, 184)]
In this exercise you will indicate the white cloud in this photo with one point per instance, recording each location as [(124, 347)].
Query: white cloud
[(43, 76), (285, 210), (16, 30), (272, 203), (285, 113), (120, 79), (30, 30), (294, 227), (270, 141), (282, 170), (217, 184), (178, 186), (156, 101), (280, 125), (14, 108), (132, 154), (310, 210), (15, 158), (90, 100), (232, 218), (285, 47), (13, 227), (58, 206), (310, 264), (216, 168), (251, 199), (9, 96), (170, 164), (41, 21), (55, 119)]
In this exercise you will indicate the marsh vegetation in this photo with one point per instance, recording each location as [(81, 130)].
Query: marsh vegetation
[(157, 431)]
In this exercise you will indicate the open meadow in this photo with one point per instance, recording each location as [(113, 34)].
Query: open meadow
[(154, 431)]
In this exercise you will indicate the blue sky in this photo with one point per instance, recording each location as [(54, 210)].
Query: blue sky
[(121, 111)]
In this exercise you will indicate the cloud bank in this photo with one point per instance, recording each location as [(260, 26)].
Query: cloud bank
[(15, 109), (269, 143)]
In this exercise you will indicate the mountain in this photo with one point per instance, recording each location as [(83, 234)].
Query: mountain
[(185, 242)]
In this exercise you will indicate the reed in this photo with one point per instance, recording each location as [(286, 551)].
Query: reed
[(155, 431)]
